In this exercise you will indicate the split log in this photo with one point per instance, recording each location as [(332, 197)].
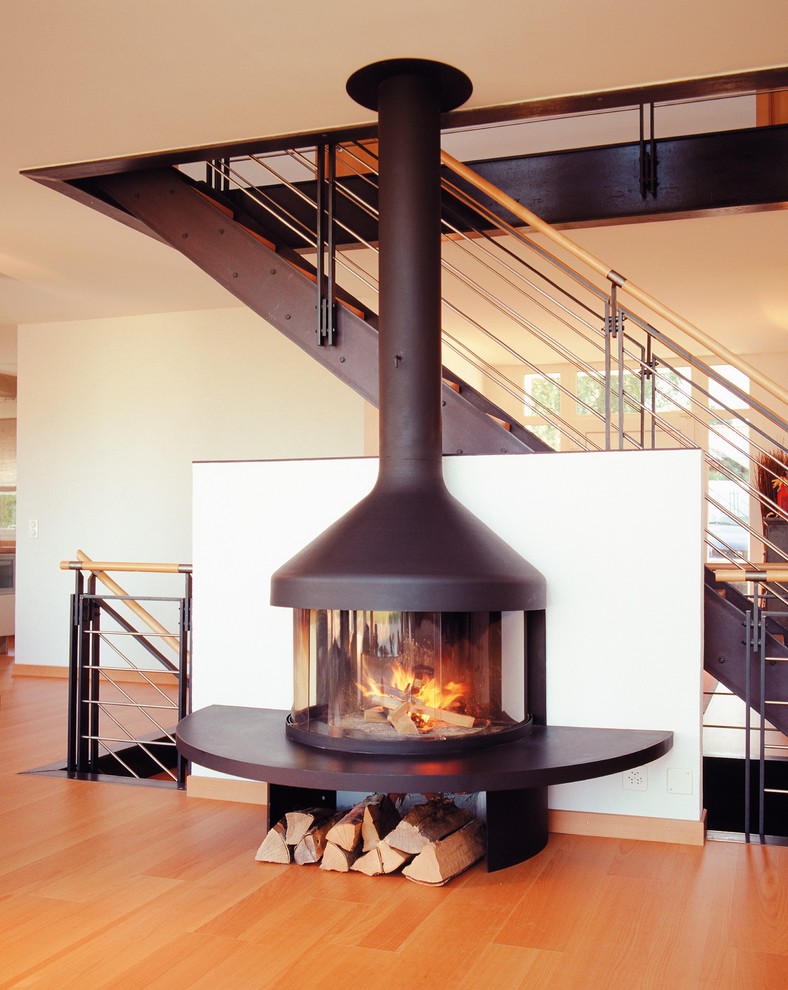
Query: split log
[(336, 858), (402, 722), (347, 831), (426, 823), (380, 817), (382, 859), (438, 862), (310, 849), (445, 715), (299, 822), (387, 701), (377, 714), (274, 848)]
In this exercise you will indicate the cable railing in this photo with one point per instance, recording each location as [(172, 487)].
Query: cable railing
[(129, 674), (540, 326)]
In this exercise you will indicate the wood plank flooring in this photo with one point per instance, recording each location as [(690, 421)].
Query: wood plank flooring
[(120, 886)]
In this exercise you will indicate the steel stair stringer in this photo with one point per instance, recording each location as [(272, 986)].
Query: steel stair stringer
[(285, 296)]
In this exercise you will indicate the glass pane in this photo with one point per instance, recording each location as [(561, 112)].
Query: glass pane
[(543, 397), (548, 433), (380, 676), (724, 397), (591, 392), (672, 391), (544, 391), (728, 519), (7, 510)]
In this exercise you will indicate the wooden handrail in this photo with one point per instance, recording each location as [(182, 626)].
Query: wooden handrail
[(524, 214), (752, 572), (95, 566), (100, 568)]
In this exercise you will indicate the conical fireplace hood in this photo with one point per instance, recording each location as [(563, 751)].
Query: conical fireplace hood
[(409, 545)]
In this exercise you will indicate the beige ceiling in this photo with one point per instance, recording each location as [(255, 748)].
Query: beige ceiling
[(100, 78)]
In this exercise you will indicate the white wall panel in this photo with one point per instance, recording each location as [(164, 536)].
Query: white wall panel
[(616, 535)]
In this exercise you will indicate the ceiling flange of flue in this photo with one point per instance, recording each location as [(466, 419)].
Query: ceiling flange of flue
[(409, 545), (454, 87)]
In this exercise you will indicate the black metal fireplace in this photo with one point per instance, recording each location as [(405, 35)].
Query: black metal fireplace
[(418, 631), (411, 615)]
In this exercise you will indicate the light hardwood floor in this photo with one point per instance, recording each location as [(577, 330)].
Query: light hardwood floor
[(112, 885)]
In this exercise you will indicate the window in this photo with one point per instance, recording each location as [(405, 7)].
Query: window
[(729, 448), (7, 510), (721, 396), (591, 392), (8, 477), (671, 391), (542, 400)]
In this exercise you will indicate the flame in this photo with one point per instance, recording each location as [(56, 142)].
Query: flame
[(403, 686)]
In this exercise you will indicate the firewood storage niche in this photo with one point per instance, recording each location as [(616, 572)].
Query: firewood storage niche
[(407, 682)]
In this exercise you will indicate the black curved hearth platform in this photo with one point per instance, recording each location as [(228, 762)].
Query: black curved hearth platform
[(251, 743)]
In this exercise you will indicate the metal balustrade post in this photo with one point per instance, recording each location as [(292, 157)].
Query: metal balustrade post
[(748, 624), (608, 364), (184, 693), (94, 688), (325, 233), (651, 365), (755, 649), (83, 720), (761, 617), (74, 675), (618, 322)]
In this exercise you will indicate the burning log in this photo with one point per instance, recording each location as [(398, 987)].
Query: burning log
[(413, 717), (311, 847), (427, 823), (380, 860), (402, 722), (387, 701), (438, 862), (336, 858), (380, 817), (274, 848), (444, 715)]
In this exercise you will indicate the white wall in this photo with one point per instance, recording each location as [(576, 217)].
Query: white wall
[(624, 613), (111, 415)]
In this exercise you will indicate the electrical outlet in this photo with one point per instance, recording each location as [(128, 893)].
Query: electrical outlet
[(635, 780), (32, 529)]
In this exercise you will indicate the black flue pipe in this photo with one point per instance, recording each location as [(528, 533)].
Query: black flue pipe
[(409, 95), (409, 352), (409, 545)]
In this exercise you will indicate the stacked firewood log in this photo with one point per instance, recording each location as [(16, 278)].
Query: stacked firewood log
[(430, 843)]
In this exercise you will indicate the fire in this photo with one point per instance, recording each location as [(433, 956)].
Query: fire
[(428, 698)]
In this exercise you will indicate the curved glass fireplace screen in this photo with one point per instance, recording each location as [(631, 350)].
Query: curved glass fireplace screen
[(380, 681)]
